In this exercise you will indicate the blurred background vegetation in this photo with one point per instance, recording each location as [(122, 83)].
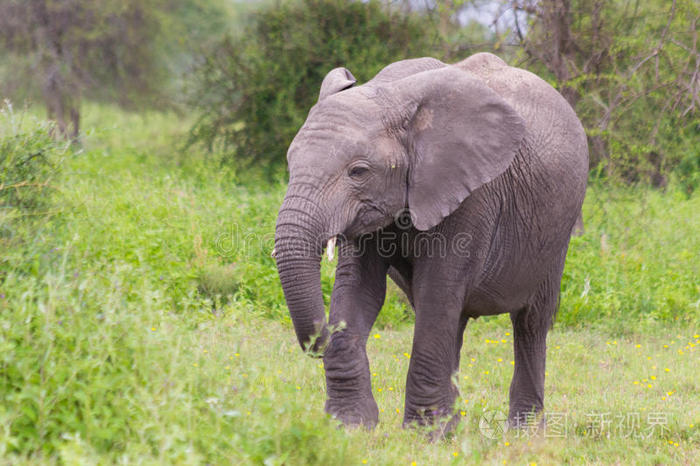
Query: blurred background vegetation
[(250, 70)]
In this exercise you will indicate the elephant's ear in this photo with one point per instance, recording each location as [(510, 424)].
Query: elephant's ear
[(337, 79), (459, 135)]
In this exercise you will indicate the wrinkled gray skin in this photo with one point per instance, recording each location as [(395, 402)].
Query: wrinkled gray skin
[(487, 158)]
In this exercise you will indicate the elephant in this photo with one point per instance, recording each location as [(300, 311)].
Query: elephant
[(462, 183)]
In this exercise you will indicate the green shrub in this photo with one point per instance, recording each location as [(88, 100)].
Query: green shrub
[(688, 170), (30, 163), (253, 91), (29, 160)]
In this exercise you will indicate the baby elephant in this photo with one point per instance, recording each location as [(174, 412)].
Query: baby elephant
[(462, 183)]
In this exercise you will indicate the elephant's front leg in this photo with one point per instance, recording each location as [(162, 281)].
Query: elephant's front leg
[(430, 391), (358, 295)]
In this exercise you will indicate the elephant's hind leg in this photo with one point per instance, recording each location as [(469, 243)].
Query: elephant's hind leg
[(400, 273), (530, 327)]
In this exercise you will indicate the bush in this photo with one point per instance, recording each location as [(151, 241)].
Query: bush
[(29, 159), (254, 90)]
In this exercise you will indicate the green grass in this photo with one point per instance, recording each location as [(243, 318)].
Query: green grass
[(141, 321)]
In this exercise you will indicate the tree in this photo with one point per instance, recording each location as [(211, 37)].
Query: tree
[(630, 69), (99, 49), (254, 89)]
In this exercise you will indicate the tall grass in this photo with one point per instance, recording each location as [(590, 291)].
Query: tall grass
[(637, 266), (143, 321), (30, 163)]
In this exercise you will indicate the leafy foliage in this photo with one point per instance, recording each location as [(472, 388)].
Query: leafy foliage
[(630, 69), (30, 159), (255, 89)]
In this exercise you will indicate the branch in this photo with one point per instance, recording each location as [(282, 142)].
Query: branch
[(26, 184), (517, 25)]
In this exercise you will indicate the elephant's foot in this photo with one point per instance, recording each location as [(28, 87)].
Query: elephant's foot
[(438, 423), (361, 413)]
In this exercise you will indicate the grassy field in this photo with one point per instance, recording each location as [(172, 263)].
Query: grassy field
[(141, 321)]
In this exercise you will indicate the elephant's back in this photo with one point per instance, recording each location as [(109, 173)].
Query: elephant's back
[(554, 131)]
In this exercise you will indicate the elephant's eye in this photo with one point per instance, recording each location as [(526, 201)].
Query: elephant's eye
[(357, 171)]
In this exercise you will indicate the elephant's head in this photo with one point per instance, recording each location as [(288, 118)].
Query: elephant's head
[(421, 135)]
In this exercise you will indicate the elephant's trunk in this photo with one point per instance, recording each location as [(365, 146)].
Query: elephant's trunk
[(299, 240)]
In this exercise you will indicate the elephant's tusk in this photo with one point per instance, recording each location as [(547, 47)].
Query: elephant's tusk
[(274, 252), (330, 248)]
